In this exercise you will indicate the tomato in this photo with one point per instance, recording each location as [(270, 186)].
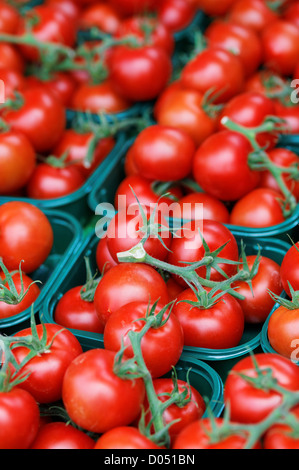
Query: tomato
[(171, 150), (282, 436), (124, 437), (197, 436), (76, 145), (174, 288), (53, 26), (7, 310), (185, 109), (133, 7), (61, 84), (176, 14), (184, 415), (41, 118), (104, 259), (214, 7), (13, 80), (214, 69), (139, 73), (73, 311), (159, 34), (102, 16), (240, 40), (250, 109), (20, 224), (289, 269), (161, 346), (283, 328), (254, 14), (249, 404), (11, 58), (220, 326), (127, 229), (291, 13), (17, 161), (95, 398), (48, 182), (59, 435), (9, 18), (259, 208), (220, 166), (19, 419), (257, 306), (289, 112), (99, 98), (48, 367), (197, 205), (282, 157), (280, 42), (125, 283), (69, 7)]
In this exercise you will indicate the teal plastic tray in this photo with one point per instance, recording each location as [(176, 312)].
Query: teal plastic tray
[(76, 203), (67, 239)]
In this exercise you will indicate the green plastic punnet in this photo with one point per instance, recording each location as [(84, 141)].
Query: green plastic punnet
[(67, 239)]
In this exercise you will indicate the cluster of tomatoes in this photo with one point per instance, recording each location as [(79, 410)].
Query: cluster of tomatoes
[(220, 100)]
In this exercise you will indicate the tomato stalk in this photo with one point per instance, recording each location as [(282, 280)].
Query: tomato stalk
[(9, 294), (292, 304), (88, 290), (259, 160)]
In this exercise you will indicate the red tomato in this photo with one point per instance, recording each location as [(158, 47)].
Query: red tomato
[(214, 69), (214, 7), (59, 435), (220, 166), (73, 311), (257, 306), (104, 259), (11, 58), (190, 412), (174, 288), (133, 7), (240, 40), (69, 7), (41, 118), (48, 367), (95, 398), (49, 182), (197, 436), (99, 98), (176, 14), (62, 85), (125, 283), (289, 112), (9, 18), (283, 329), (20, 224), (172, 151), (259, 208), (124, 437), (280, 42), (291, 13), (17, 161), (254, 14), (197, 205), (289, 270), (13, 80), (220, 326), (19, 419), (102, 16), (7, 310), (282, 436), (139, 73), (161, 346), (249, 404)]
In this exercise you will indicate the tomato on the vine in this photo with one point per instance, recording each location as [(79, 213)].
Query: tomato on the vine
[(59, 435)]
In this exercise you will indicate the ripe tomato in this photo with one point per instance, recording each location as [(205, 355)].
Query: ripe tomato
[(7, 310), (99, 98), (61, 84), (214, 69), (11, 58), (13, 81), (9, 18), (59, 435), (102, 16), (249, 404), (259, 208), (291, 13), (220, 326), (41, 118), (49, 182), (172, 152), (283, 329), (95, 398), (19, 419), (176, 14), (197, 436), (161, 346), (220, 166), (124, 437), (280, 42), (139, 73), (72, 311), (184, 415), (104, 259), (240, 40), (282, 436), (17, 161), (289, 270), (197, 205), (257, 306), (20, 224), (214, 7), (254, 14), (125, 283), (70, 8), (133, 7), (174, 288), (289, 112), (48, 367)]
